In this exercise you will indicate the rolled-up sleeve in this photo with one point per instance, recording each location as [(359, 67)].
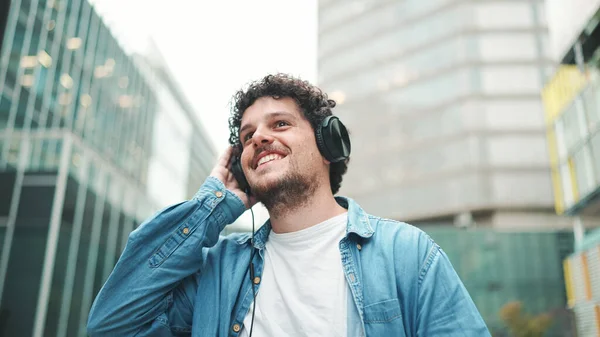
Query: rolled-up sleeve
[(160, 264)]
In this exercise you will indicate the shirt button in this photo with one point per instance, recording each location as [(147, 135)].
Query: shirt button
[(186, 231), (219, 194), (358, 246), (236, 328), (256, 280)]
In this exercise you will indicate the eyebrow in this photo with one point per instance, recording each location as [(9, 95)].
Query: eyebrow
[(268, 116)]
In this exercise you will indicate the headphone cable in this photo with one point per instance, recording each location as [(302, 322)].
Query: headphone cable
[(252, 275)]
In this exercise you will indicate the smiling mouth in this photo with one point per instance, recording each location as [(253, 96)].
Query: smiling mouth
[(268, 158)]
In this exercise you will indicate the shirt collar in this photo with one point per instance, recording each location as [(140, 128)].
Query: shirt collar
[(358, 219), (358, 223)]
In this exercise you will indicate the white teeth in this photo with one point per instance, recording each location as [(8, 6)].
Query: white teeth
[(268, 158)]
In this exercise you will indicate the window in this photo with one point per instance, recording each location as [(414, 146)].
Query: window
[(595, 156), (399, 71), (445, 156), (502, 150), (589, 104), (510, 79), (504, 15), (513, 114), (572, 127), (381, 26), (4, 112), (332, 16), (14, 151), (34, 159), (584, 175), (15, 55), (504, 185), (360, 28), (7, 184), (26, 260), (431, 91), (50, 154), (426, 127), (561, 148), (565, 177), (593, 112), (507, 46)]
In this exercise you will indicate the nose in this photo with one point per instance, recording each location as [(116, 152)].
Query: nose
[(261, 137)]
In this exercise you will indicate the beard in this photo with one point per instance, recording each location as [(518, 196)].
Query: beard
[(287, 194)]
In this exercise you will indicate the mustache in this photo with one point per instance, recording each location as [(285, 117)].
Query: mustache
[(268, 148)]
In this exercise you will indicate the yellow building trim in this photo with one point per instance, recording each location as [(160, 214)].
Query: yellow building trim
[(561, 89), (597, 310), (586, 276), (559, 200), (573, 176), (568, 282), (557, 94), (552, 146), (559, 204)]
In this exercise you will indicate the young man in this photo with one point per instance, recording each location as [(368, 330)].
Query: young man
[(321, 266)]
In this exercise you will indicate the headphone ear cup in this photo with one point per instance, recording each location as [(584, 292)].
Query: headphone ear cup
[(238, 173), (333, 140), (321, 142)]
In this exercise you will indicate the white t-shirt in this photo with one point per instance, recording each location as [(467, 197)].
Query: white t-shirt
[(303, 288)]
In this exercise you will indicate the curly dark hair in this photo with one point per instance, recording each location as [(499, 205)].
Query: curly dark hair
[(314, 104)]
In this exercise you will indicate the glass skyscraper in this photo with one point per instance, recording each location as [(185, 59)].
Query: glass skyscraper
[(92, 141)]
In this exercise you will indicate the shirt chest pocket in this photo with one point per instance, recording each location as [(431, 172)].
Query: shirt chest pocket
[(384, 318)]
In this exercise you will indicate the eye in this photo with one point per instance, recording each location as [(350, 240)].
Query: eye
[(247, 137), (280, 124)]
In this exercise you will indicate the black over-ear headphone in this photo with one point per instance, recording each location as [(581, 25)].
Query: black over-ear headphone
[(333, 142)]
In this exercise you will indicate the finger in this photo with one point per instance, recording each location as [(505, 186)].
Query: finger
[(224, 159), (228, 176), (233, 182)]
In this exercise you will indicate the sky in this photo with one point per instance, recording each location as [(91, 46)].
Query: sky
[(213, 48), (216, 47)]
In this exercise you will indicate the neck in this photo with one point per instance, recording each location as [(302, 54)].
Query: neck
[(314, 210)]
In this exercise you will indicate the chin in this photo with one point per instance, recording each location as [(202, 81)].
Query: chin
[(284, 189), (268, 184), (268, 175)]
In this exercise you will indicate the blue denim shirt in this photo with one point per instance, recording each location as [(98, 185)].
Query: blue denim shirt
[(178, 277)]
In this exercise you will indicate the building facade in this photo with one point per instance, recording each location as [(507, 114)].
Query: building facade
[(182, 155), (572, 107), (442, 102), (502, 267), (78, 155)]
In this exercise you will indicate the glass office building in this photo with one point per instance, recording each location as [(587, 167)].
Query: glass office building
[(442, 101), (182, 154), (501, 267), (78, 154)]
